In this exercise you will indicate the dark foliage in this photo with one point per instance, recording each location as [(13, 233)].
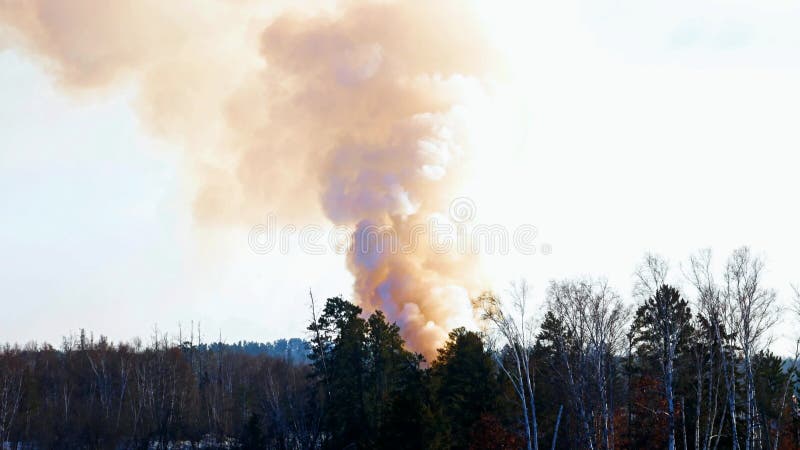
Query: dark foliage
[(354, 385)]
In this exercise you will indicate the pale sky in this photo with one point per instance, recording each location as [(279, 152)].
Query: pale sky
[(629, 126)]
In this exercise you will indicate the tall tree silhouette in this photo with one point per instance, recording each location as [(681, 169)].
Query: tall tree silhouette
[(466, 384), (661, 330)]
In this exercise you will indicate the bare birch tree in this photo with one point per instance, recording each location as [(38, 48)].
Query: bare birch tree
[(594, 321), (791, 369), (650, 275), (517, 330), (11, 390), (711, 304), (751, 314), (659, 302)]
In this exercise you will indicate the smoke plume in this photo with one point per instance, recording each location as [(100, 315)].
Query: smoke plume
[(356, 111)]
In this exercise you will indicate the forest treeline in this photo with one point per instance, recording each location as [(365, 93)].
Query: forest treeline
[(686, 364)]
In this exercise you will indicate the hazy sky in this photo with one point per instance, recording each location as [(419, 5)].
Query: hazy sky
[(629, 126)]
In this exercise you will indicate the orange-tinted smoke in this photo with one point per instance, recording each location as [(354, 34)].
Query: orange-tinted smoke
[(353, 111)]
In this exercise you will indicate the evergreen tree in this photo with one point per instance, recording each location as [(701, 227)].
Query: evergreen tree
[(466, 385), (338, 355), (391, 370), (252, 436), (661, 331), (552, 390), (371, 385)]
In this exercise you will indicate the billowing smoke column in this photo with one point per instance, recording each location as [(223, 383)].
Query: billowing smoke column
[(358, 109)]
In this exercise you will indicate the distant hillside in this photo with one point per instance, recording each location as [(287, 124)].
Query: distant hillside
[(294, 350)]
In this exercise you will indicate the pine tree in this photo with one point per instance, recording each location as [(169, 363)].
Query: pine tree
[(466, 385), (338, 356), (661, 330)]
